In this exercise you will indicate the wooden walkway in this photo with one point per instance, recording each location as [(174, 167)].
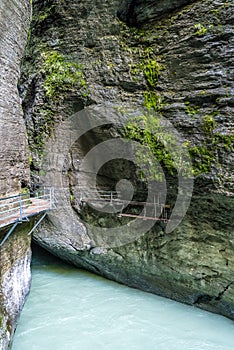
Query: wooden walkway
[(21, 207), (35, 207), (152, 210)]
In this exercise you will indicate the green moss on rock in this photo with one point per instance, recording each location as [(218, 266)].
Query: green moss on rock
[(214, 145), (152, 70), (60, 74), (152, 100), (159, 143)]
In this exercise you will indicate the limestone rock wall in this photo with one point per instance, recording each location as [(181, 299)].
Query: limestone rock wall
[(15, 254), (14, 23), (15, 280), (189, 50)]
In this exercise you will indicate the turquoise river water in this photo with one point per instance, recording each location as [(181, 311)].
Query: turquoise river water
[(69, 309)]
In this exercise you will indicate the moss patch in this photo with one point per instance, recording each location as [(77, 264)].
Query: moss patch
[(190, 109), (61, 75), (152, 100), (146, 64), (152, 69), (214, 146), (159, 142)]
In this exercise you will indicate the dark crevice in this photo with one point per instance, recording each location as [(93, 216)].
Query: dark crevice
[(219, 297), (131, 16), (206, 298), (91, 266), (130, 11), (203, 299)]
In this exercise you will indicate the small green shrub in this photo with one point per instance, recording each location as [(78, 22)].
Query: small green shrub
[(200, 29), (152, 100), (152, 70), (209, 123)]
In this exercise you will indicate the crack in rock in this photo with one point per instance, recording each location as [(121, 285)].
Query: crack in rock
[(206, 298), (219, 297)]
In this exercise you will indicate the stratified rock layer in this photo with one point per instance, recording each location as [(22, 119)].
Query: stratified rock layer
[(15, 255), (14, 23), (190, 53), (15, 261)]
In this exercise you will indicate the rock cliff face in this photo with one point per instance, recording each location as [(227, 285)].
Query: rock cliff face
[(15, 254), (15, 19), (15, 260), (174, 61)]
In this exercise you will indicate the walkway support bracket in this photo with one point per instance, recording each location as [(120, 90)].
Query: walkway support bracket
[(9, 233), (37, 224)]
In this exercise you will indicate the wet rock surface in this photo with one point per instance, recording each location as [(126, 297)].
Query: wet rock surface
[(193, 49), (15, 255), (15, 280), (14, 23)]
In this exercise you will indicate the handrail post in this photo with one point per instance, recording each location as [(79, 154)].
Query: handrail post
[(155, 209), (50, 194), (21, 207), (111, 198), (51, 198)]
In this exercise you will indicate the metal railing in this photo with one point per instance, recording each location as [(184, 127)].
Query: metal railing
[(23, 205), (154, 210), (18, 208)]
